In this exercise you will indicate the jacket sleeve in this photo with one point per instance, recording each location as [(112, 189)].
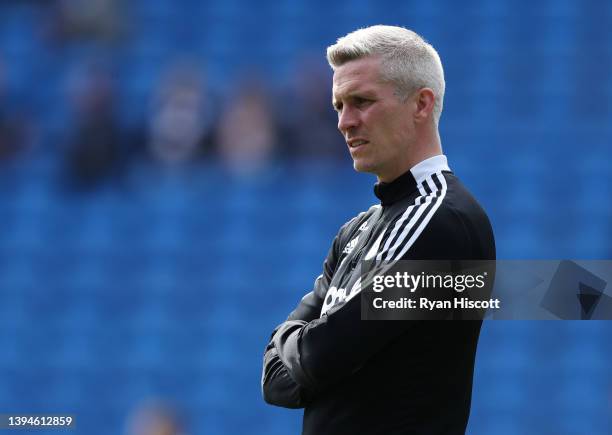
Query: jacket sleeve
[(326, 350), (277, 383)]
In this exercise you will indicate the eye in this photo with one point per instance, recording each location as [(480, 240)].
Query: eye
[(361, 102), (338, 107)]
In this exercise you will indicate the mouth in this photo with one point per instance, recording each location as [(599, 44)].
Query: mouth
[(356, 143)]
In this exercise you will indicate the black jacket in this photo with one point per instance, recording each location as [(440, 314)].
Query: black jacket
[(384, 377)]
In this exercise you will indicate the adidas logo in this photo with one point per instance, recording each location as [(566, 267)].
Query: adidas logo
[(351, 245), (364, 226)]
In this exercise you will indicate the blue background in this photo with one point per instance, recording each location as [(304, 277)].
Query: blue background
[(167, 283)]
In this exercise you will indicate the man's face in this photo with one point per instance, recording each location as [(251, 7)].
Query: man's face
[(376, 124)]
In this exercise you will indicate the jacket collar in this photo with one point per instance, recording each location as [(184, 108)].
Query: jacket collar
[(407, 183)]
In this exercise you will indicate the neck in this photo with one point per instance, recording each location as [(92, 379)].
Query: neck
[(427, 146)]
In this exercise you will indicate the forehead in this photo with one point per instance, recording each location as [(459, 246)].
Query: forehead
[(359, 75)]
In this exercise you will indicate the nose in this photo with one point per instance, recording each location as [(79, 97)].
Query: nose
[(347, 119)]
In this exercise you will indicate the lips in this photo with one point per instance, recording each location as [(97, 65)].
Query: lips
[(356, 143)]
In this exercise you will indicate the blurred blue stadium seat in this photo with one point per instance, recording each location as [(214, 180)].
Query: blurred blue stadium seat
[(170, 286)]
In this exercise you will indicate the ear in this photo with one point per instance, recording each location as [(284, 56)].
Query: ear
[(425, 100)]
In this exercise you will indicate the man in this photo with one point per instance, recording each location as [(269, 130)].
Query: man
[(385, 377)]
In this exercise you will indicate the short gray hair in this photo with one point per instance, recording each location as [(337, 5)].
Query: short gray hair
[(408, 60)]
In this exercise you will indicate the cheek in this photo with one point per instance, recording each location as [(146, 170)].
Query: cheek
[(399, 130), (406, 125), (389, 128), (391, 121), (380, 124)]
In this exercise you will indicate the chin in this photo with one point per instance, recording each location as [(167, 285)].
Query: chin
[(361, 166)]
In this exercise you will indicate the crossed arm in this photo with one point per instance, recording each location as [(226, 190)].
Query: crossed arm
[(304, 358), (307, 353), (278, 383), (278, 386)]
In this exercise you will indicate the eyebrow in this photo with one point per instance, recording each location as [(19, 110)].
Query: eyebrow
[(358, 93)]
